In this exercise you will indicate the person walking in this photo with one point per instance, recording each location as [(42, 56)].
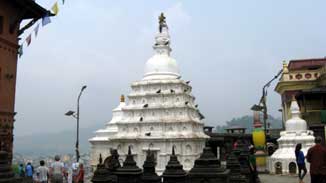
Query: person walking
[(57, 170), (29, 170), (21, 170), (316, 156), (42, 173), (80, 175), (253, 167), (300, 159)]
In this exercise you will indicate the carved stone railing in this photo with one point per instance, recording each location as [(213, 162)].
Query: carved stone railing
[(303, 75)]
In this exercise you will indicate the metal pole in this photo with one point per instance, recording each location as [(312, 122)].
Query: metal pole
[(77, 136), (265, 116), (263, 100), (77, 140)]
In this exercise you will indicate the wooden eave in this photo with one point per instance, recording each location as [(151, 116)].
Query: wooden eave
[(283, 86), (31, 9)]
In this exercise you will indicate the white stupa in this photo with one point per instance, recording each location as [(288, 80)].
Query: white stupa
[(160, 113), (295, 132)]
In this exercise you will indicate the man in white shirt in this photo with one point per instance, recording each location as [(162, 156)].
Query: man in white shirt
[(57, 170), (42, 172)]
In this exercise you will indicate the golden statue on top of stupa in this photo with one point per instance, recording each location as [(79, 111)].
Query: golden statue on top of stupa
[(162, 22)]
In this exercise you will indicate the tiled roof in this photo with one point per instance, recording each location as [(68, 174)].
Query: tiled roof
[(312, 63)]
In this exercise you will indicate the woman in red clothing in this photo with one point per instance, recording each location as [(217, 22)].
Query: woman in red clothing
[(80, 175), (316, 156)]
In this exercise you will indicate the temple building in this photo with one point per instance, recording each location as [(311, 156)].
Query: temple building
[(160, 113), (12, 12), (306, 80)]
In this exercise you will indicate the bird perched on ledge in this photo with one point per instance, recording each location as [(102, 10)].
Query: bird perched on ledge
[(148, 134)]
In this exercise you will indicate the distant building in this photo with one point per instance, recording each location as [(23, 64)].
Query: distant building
[(236, 129), (12, 12), (223, 143), (306, 81)]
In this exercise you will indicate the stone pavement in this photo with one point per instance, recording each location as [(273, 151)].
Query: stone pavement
[(267, 178)]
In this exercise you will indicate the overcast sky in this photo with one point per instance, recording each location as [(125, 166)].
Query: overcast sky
[(228, 50)]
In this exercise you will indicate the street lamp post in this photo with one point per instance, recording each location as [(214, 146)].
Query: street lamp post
[(76, 116), (262, 103), (260, 136)]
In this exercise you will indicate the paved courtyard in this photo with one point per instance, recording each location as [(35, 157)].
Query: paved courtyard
[(267, 178)]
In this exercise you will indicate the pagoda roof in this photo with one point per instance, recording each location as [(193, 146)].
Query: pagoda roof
[(312, 63), (31, 8)]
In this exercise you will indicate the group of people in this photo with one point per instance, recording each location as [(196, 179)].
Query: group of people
[(316, 156), (56, 173)]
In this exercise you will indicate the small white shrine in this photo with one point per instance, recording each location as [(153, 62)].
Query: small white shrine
[(283, 161), (160, 113)]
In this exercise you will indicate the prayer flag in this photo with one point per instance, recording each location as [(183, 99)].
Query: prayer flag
[(20, 50), (36, 29), (55, 8), (46, 20), (29, 39)]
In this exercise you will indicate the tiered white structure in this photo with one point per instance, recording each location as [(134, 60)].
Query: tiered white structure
[(160, 113), (295, 132)]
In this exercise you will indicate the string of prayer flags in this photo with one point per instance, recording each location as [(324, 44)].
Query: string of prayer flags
[(29, 39), (55, 8), (20, 50), (36, 29), (46, 20)]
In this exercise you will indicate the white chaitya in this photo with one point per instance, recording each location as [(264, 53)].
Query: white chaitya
[(160, 113), (283, 159)]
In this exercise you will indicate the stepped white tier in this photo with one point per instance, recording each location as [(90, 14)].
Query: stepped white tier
[(160, 113), (295, 132)]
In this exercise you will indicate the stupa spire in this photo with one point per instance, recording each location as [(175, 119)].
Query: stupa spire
[(285, 67), (162, 22), (162, 39), (161, 65), (129, 171), (129, 150), (294, 108), (100, 160), (295, 123), (149, 174), (174, 172)]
